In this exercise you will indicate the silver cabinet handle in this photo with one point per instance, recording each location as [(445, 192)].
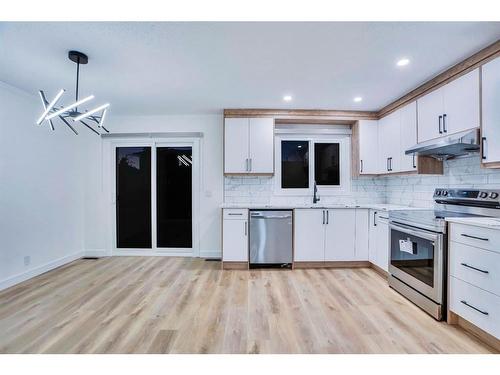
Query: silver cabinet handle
[(440, 118), (230, 214), (374, 218), (327, 216), (474, 268), (250, 165), (245, 228), (474, 237), (361, 166), (474, 308), (414, 164), (323, 217), (483, 141), (246, 161), (444, 123)]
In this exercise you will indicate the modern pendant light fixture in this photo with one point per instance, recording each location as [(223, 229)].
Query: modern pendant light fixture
[(70, 114)]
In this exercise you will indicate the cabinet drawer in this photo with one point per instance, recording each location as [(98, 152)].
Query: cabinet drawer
[(235, 214), (484, 238), (476, 266), (479, 307)]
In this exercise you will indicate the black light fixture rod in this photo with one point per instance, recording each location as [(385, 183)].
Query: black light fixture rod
[(77, 77)]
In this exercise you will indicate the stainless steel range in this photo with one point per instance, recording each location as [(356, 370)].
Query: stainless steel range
[(418, 244)]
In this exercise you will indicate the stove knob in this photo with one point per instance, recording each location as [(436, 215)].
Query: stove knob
[(445, 193), (483, 194), (438, 193), (493, 195)]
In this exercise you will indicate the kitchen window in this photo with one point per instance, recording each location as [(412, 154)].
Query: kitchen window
[(301, 161)]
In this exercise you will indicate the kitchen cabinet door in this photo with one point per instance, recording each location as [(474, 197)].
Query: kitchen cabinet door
[(361, 234), (408, 136), (372, 237), (389, 143), (383, 145), (309, 235), (236, 145), (429, 108), (261, 135), (235, 241), (491, 111), (368, 146), (461, 103), (382, 244), (340, 234)]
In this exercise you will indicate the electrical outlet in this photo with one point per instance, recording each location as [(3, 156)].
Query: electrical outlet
[(27, 260)]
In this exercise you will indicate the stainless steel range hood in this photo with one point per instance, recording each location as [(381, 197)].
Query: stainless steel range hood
[(452, 146)]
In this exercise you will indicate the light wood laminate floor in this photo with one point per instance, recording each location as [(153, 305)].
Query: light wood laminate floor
[(183, 305)]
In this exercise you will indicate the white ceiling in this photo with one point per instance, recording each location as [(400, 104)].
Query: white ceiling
[(167, 67)]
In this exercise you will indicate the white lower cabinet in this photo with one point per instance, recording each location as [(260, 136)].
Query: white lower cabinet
[(474, 259), (339, 234), (309, 235), (361, 235), (235, 235), (378, 252)]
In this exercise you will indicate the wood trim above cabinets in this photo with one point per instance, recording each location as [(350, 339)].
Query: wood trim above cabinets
[(303, 115), (486, 54)]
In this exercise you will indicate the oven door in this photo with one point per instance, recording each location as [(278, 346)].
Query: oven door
[(416, 258)]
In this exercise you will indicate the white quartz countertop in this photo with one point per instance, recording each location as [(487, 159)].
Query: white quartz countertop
[(375, 206), (485, 222)]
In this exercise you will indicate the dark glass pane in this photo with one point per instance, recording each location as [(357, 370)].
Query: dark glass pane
[(413, 255), (133, 197), (174, 197), (294, 164), (327, 163)]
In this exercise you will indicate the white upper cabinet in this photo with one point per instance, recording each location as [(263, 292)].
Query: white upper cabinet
[(450, 109), (249, 145), (389, 157), (461, 103), (368, 146), (236, 145), (408, 136), (430, 115), (261, 145), (491, 111)]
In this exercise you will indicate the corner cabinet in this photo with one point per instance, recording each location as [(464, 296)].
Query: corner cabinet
[(490, 127), (450, 109), (368, 146), (249, 146), (379, 146)]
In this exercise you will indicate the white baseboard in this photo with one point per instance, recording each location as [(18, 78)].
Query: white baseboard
[(19, 278), (97, 253), (210, 254)]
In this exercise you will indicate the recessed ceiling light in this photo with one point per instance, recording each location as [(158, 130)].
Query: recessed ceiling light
[(403, 62), (287, 98), (358, 99)]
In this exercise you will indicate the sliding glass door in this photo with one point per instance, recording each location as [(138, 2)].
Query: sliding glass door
[(133, 197), (154, 197), (174, 197)]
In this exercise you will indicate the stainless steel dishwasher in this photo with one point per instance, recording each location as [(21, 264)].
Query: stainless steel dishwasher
[(271, 237)]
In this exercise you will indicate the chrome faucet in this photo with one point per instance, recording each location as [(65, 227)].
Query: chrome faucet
[(315, 196)]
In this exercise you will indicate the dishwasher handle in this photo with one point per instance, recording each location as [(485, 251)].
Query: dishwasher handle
[(260, 216)]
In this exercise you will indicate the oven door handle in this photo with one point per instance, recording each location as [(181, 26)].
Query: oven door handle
[(414, 231)]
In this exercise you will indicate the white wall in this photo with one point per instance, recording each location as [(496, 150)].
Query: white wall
[(42, 187), (98, 199)]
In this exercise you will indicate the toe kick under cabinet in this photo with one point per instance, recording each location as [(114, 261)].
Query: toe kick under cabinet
[(474, 277)]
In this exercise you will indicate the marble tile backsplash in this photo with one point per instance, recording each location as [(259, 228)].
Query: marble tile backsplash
[(410, 190)]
